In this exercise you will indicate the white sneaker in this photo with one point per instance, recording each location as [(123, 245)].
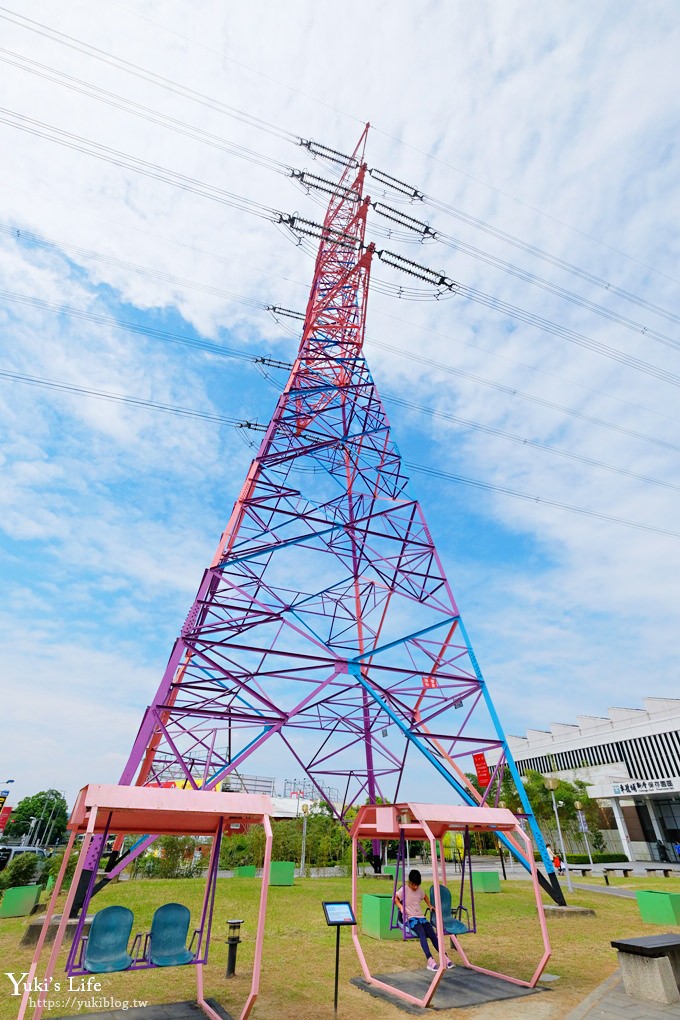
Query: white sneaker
[(449, 963), (431, 965)]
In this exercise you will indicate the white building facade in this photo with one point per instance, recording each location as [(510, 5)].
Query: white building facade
[(630, 761)]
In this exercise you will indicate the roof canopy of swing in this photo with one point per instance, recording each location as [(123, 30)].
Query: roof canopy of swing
[(376, 821), (165, 812)]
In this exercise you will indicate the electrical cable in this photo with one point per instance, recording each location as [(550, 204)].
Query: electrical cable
[(138, 110), (253, 424), (279, 313), (131, 327), (128, 162), (140, 72), (568, 267), (540, 500), (120, 398), (424, 232), (410, 192), (116, 263)]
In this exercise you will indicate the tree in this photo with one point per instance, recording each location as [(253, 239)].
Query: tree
[(50, 811)]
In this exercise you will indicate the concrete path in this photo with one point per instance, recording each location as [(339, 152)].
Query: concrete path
[(610, 1002)]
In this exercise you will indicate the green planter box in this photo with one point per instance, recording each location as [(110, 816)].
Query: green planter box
[(658, 907), (486, 881), (282, 873), (19, 902), (376, 911), (245, 871)]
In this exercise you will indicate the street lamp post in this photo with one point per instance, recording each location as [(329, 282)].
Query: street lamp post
[(47, 831), (26, 839), (40, 840), (550, 783), (305, 813), (583, 826)]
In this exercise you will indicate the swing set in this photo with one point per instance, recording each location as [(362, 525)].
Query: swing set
[(431, 822), (458, 920), (101, 811)]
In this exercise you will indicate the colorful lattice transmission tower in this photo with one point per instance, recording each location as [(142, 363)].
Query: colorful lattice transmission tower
[(325, 620)]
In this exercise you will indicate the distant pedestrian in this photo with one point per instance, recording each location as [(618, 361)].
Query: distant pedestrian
[(662, 852), (676, 847)]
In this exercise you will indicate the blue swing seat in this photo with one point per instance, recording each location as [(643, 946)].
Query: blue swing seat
[(452, 925), (106, 947), (405, 928), (167, 940)]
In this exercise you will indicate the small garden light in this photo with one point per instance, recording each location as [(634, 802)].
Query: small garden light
[(233, 939)]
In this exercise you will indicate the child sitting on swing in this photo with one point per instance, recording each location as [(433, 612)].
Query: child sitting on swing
[(408, 900)]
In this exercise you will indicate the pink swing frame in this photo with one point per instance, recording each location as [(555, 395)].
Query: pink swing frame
[(431, 822), (140, 810)]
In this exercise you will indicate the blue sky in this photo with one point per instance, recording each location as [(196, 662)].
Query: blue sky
[(553, 125)]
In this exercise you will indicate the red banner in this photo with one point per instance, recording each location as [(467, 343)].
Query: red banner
[(482, 769), (4, 817)]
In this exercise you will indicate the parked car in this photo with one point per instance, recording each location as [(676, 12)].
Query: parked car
[(8, 853)]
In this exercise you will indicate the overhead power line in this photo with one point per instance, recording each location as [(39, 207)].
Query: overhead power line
[(539, 500), (129, 162), (279, 312), (254, 425), (121, 398), (144, 73), (319, 149), (138, 110)]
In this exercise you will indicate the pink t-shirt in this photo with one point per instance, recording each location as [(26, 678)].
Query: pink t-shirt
[(413, 901)]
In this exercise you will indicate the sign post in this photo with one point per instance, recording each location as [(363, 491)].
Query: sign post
[(338, 913)]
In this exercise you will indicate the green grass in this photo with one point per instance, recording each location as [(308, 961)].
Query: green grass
[(299, 950)]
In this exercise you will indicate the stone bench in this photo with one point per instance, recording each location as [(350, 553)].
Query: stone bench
[(35, 926), (650, 967), (626, 869), (584, 871), (667, 872)]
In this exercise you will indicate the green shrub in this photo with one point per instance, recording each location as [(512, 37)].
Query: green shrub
[(176, 860), (54, 863), (597, 858), (584, 859), (23, 870)]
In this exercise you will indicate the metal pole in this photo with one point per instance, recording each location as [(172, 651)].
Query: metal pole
[(304, 840), (583, 826), (337, 966), (559, 833), (48, 824), (500, 854)]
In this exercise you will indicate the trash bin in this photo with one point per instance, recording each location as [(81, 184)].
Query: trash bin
[(658, 907), (376, 913), (281, 872), (19, 901), (486, 881)]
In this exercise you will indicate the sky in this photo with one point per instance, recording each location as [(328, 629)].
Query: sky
[(147, 154)]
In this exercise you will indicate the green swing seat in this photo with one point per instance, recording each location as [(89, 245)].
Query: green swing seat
[(106, 948), (167, 941), (452, 924)]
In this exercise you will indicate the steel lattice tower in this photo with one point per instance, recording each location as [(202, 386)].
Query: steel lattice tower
[(325, 619)]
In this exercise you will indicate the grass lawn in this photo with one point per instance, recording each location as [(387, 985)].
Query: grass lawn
[(299, 950)]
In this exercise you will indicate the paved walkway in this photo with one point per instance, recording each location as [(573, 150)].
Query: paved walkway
[(610, 1002)]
